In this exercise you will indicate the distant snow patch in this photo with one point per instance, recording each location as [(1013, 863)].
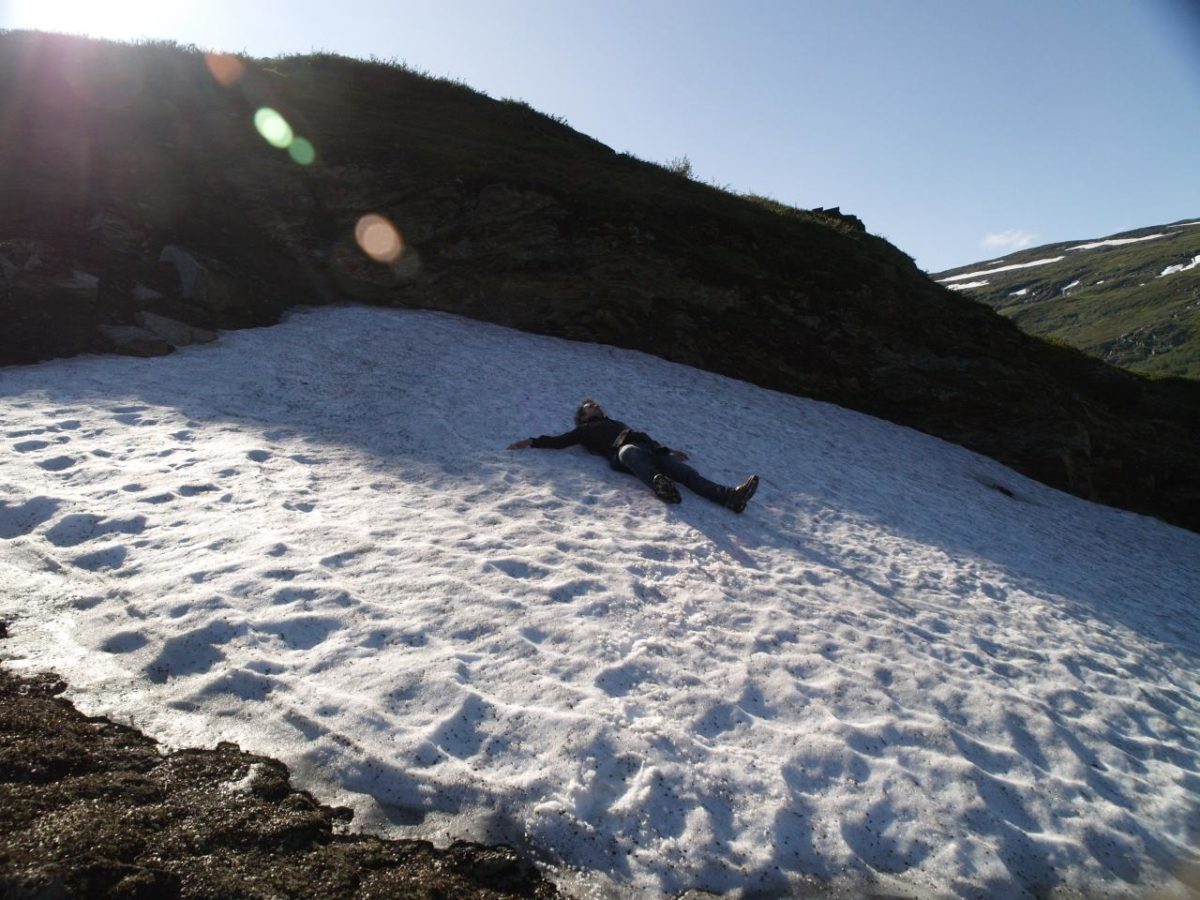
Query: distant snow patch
[(1021, 293), (1036, 262), (1182, 267), (1066, 288), (969, 284), (1115, 242), (1184, 224)]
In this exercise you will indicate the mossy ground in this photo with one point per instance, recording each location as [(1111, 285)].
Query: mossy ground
[(89, 808)]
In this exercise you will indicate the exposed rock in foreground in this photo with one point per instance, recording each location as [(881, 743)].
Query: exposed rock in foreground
[(89, 808)]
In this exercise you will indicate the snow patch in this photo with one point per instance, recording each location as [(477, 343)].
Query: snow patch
[(963, 287), (1008, 268), (1115, 242), (1181, 267), (1021, 293), (905, 662), (1068, 287)]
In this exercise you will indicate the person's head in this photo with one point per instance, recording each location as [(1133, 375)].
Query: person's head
[(589, 411)]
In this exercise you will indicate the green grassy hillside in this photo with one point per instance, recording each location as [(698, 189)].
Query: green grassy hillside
[(1133, 301)]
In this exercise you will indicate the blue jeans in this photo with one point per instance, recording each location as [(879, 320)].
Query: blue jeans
[(645, 464)]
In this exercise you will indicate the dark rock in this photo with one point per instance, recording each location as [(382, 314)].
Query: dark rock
[(130, 340), (47, 305), (203, 281), (174, 332), (113, 234)]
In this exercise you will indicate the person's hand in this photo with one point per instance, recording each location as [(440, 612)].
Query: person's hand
[(521, 444), (679, 454)]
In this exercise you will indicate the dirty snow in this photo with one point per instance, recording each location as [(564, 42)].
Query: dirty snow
[(904, 664)]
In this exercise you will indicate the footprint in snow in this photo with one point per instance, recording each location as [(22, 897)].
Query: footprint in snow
[(124, 642), (301, 632), (191, 490), (58, 463), (338, 560), (158, 498), (108, 558), (516, 568), (70, 531), (17, 520)]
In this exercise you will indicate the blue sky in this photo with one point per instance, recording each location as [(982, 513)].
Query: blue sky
[(939, 123)]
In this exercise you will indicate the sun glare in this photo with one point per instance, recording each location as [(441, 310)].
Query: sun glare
[(119, 19), (273, 127), (378, 238)]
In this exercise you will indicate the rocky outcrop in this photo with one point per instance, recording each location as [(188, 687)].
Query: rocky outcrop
[(52, 306), (47, 305)]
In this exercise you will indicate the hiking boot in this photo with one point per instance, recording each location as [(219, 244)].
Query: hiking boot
[(740, 495), (665, 490)]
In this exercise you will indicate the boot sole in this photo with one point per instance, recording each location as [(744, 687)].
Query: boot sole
[(665, 490)]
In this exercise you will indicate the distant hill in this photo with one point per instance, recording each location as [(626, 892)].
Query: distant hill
[(1131, 299), (152, 193)]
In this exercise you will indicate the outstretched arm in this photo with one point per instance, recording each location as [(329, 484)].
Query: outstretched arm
[(550, 441)]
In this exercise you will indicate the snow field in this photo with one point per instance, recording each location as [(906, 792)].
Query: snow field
[(995, 271), (904, 664)]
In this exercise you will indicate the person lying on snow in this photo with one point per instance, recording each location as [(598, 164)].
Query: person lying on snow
[(636, 452)]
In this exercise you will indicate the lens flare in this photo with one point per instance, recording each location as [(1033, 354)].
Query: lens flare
[(227, 70), (302, 151), (273, 127), (378, 238)]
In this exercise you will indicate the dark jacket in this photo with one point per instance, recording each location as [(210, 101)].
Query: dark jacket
[(604, 437)]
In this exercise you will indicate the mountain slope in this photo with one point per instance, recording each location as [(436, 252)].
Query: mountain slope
[(137, 188), (905, 664), (1131, 299)]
